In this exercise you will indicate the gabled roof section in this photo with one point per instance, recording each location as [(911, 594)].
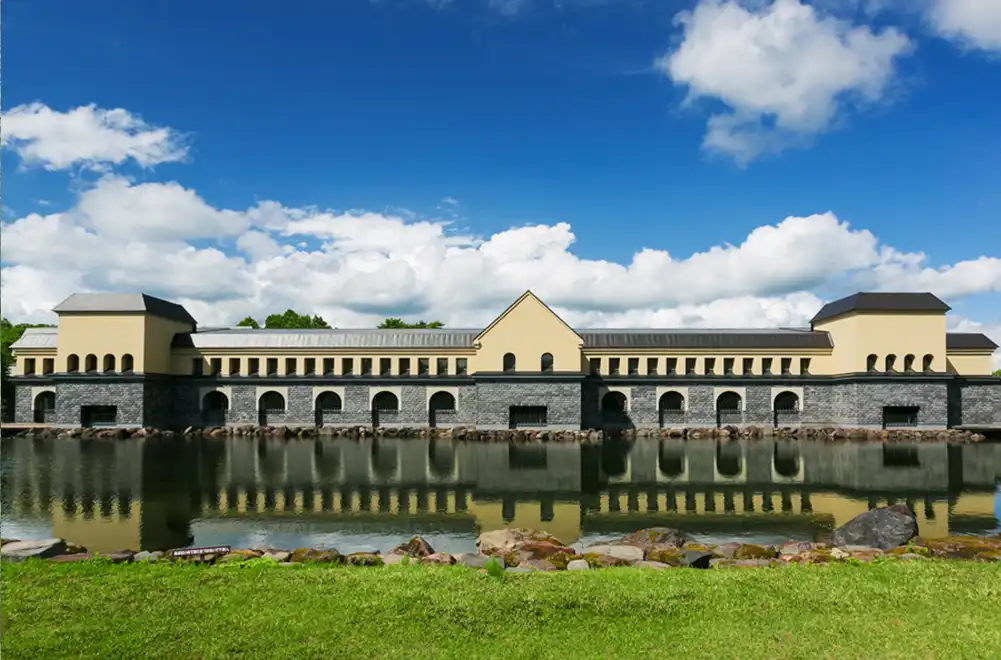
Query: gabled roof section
[(111, 303), (525, 296), (969, 341), (37, 338), (702, 339), (365, 338), (881, 302)]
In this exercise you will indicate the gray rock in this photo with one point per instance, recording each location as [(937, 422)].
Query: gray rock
[(626, 552), (392, 559), (519, 569), (655, 565), (43, 549), (910, 555), (148, 556), (697, 558), (577, 565), (727, 550), (883, 528), (277, 555), (474, 560), (655, 536), (70, 559)]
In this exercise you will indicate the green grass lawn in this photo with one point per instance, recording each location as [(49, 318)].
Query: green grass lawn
[(885, 610)]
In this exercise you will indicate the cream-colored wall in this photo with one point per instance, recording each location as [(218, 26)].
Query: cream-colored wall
[(856, 336), (101, 334), (971, 363), (528, 329), (159, 333), (820, 361), (21, 355)]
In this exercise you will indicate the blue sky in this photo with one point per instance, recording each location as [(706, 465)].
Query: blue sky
[(596, 114)]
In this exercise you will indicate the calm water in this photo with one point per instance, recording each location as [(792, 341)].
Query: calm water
[(368, 494)]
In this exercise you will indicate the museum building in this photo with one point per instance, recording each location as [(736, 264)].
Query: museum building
[(872, 360)]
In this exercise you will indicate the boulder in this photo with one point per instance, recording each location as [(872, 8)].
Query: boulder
[(72, 558), (629, 553), (149, 556), (538, 565), (304, 555), (727, 550), (438, 558), (655, 537), (535, 550), (979, 548), (364, 559), (277, 555), (577, 565), (500, 541), (697, 558), (43, 549), (655, 565), (883, 528), (750, 551), (473, 560), (415, 547)]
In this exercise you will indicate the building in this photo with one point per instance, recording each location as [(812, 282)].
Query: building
[(868, 360)]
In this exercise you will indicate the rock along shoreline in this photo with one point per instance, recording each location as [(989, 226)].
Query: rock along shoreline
[(887, 533), (470, 434)]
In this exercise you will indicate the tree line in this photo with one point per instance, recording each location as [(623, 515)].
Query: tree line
[(292, 320)]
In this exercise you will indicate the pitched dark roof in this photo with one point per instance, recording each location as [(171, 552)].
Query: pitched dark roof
[(698, 339), (124, 302), (881, 302), (957, 341)]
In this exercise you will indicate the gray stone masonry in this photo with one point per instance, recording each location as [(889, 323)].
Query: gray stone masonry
[(931, 398), (701, 406), (494, 400), (128, 398), (980, 403), (158, 403), (24, 406)]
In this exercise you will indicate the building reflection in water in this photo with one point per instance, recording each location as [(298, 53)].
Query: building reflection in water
[(151, 494)]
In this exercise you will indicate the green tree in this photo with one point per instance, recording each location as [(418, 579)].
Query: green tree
[(997, 373), (395, 323), (291, 320), (248, 322)]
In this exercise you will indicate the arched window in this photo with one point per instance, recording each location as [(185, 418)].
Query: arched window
[(509, 362), (72, 363), (128, 364), (90, 363), (908, 362), (385, 401), (926, 363), (272, 401), (109, 362), (547, 362), (672, 402), (329, 401), (613, 402), (216, 401), (728, 402), (45, 407), (787, 402), (441, 401), (891, 360), (870, 363)]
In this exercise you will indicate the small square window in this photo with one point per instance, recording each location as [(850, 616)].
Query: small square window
[(215, 366), (595, 366), (672, 366), (710, 366), (347, 366), (613, 366), (310, 367), (634, 366), (385, 366), (366, 366), (234, 366), (442, 366), (461, 366), (328, 366), (690, 366), (651, 366), (404, 366), (423, 366), (253, 366)]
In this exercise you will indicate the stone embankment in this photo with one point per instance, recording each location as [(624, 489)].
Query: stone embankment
[(888, 533), (469, 434)]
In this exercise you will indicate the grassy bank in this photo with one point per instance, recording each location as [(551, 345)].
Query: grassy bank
[(886, 610)]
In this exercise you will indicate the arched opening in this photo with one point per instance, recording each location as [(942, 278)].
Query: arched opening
[(90, 363), (729, 409), (270, 408), (671, 458), (870, 363), (926, 363), (128, 363), (613, 408), (729, 458), (441, 458), (786, 408), (890, 362), (45, 407), (215, 405), (441, 408), (385, 459), (385, 408), (546, 362), (72, 363), (908, 362), (328, 408), (785, 458), (509, 362), (671, 408), (109, 363)]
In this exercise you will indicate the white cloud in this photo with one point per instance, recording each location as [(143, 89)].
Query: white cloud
[(974, 23), (358, 267), (783, 70), (87, 136)]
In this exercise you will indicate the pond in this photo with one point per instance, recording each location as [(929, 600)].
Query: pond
[(351, 494)]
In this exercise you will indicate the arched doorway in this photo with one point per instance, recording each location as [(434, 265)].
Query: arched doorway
[(729, 409), (270, 408), (215, 406), (328, 408), (441, 408), (671, 409), (613, 408), (45, 408), (385, 408), (786, 409)]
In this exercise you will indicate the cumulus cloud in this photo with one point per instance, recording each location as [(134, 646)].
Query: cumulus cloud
[(357, 267), (784, 70), (973, 23), (87, 136)]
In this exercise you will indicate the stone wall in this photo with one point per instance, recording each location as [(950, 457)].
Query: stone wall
[(495, 398), (979, 404), (128, 397)]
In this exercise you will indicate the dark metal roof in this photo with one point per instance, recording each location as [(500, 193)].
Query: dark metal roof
[(881, 302), (698, 339), (124, 302), (366, 338), (968, 340)]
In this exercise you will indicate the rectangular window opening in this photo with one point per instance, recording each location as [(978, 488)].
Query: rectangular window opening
[(900, 416), (423, 366), (234, 366), (29, 366), (634, 366), (461, 366), (272, 365), (328, 366), (766, 366), (528, 416), (347, 366), (728, 366), (385, 366), (253, 366), (291, 366), (613, 366), (404, 366), (710, 366), (672, 366), (215, 366), (786, 365), (690, 366), (366, 366), (197, 366), (651, 366), (310, 367), (442, 366), (594, 365), (804, 365), (48, 365)]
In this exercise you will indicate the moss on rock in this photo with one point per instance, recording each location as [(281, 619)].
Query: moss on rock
[(750, 551)]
